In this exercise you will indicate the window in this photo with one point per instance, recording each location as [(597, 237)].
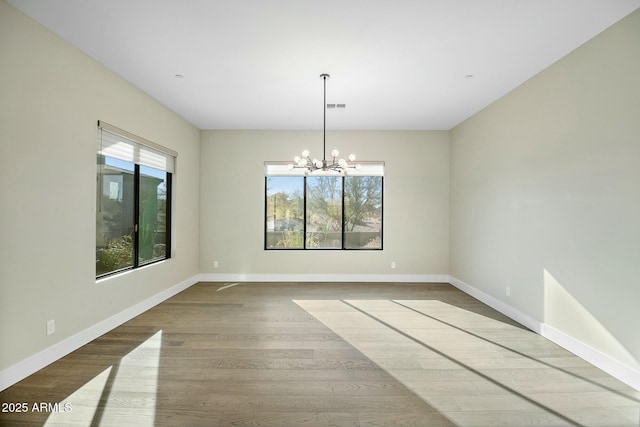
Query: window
[(133, 206), (323, 211), (285, 212), (363, 212)]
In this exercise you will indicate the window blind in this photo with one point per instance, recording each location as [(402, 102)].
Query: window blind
[(120, 144)]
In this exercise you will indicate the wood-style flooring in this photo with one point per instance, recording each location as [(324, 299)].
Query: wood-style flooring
[(321, 354)]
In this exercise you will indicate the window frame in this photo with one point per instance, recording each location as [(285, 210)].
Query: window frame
[(280, 169), (137, 163)]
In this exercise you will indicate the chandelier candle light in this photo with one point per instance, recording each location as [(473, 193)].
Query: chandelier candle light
[(337, 166)]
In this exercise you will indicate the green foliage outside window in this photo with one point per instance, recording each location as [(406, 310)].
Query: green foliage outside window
[(340, 212)]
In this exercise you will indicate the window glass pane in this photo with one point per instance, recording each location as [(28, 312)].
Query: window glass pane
[(324, 212), (152, 225), (363, 212), (284, 215), (115, 217)]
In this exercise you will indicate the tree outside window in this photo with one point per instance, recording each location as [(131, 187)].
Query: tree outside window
[(323, 212)]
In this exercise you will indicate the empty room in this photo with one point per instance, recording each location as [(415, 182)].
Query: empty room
[(294, 213)]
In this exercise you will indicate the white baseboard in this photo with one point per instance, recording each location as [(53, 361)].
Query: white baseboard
[(614, 368), (32, 364), (611, 366), (379, 278), (498, 305)]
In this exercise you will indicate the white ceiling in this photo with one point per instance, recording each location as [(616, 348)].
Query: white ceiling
[(397, 64)]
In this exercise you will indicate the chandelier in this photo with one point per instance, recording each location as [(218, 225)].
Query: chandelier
[(334, 165)]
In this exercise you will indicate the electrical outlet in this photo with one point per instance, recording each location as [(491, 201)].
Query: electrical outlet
[(51, 326), (393, 264), (215, 264), (507, 291)]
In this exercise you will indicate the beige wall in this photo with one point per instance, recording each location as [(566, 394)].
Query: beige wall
[(51, 98), (416, 202), (545, 195)]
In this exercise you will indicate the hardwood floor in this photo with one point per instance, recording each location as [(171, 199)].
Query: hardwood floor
[(321, 354)]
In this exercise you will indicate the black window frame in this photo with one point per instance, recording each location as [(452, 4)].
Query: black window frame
[(137, 183), (304, 209)]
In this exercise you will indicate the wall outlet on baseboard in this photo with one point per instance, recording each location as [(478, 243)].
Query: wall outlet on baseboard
[(507, 291), (215, 264), (393, 264), (51, 326)]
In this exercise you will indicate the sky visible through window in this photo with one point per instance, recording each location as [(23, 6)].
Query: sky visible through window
[(284, 184)]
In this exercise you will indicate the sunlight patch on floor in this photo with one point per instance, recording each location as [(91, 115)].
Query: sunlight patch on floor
[(123, 394), (473, 369), (83, 401)]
